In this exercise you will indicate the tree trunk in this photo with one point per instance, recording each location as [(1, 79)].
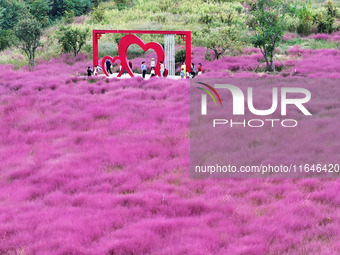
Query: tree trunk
[(33, 57), (216, 55), (272, 66), (270, 63), (30, 57), (267, 63)]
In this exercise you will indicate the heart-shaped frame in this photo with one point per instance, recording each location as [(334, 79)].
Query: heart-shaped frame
[(112, 61), (123, 46)]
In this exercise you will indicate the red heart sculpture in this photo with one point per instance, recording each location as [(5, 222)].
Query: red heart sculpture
[(112, 61), (124, 44)]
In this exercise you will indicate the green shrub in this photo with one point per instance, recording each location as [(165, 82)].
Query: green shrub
[(304, 28), (325, 20), (180, 56), (206, 19), (306, 17), (98, 14), (226, 18), (123, 4), (292, 24), (68, 17)]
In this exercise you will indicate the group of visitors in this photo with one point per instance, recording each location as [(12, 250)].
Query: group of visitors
[(95, 70), (152, 66), (184, 74)]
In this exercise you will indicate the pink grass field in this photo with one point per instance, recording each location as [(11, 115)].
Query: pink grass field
[(85, 165)]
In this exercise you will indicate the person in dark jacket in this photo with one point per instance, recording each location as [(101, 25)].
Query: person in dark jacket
[(108, 66), (143, 67), (89, 71)]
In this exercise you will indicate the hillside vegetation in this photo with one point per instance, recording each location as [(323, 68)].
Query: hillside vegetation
[(206, 20)]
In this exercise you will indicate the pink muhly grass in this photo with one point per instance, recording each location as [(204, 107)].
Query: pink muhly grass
[(85, 166)]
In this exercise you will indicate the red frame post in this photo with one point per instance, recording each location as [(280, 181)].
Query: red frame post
[(188, 51), (95, 37), (185, 35)]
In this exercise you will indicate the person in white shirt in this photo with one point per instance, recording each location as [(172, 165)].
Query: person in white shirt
[(153, 63), (188, 75), (96, 70)]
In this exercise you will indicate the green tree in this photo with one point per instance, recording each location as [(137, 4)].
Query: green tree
[(11, 11), (220, 40), (59, 7), (268, 24), (326, 20), (28, 31), (40, 10), (72, 39), (4, 39)]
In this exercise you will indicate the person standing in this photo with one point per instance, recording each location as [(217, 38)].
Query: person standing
[(193, 71), (108, 66), (143, 67), (152, 73), (89, 72), (182, 73), (153, 63), (200, 69), (188, 75), (162, 68), (96, 70), (184, 68)]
